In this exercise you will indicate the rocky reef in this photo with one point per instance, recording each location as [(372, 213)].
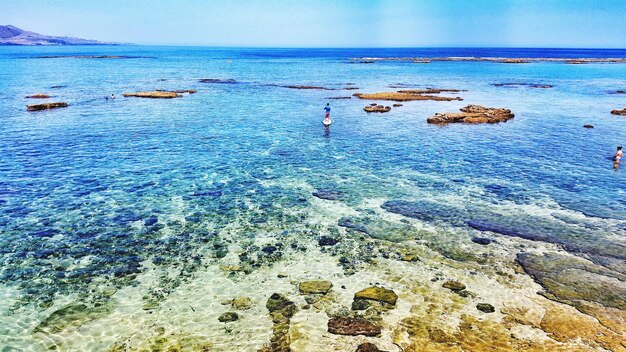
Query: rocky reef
[(153, 95), (48, 106), (38, 96), (621, 112), (218, 80), (377, 108), (529, 85), (352, 326), (410, 95), (473, 114)]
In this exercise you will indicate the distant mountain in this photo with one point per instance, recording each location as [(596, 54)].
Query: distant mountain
[(11, 35)]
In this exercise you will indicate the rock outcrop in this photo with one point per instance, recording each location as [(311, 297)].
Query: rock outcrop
[(153, 95), (473, 114), (376, 293), (454, 286), (48, 106), (621, 112), (38, 96), (218, 80), (315, 287), (377, 108), (281, 310), (352, 326), (410, 95)]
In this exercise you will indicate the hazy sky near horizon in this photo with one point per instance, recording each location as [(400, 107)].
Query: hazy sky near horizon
[(327, 23)]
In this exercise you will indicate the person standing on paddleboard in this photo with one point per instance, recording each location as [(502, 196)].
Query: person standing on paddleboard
[(327, 120)]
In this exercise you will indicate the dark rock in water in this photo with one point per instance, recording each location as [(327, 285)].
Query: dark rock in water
[(360, 304), (48, 106), (588, 126), (336, 98), (228, 317), (485, 307), (279, 303), (617, 112), (328, 194), (352, 326), (509, 231), (349, 223), (281, 310), (269, 249), (327, 241), (208, 193), (151, 220), (454, 286), (217, 80), (379, 294), (481, 240), (397, 105), (126, 218), (368, 347), (58, 87), (572, 280)]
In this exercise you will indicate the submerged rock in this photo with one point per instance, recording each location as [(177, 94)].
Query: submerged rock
[(368, 347), (361, 304), (351, 224), (621, 112), (73, 315), (315, 287), (241, 303), (410, 95), (228, 317), (217, 80), (281, 310), (481, 240), (154, 95), (377, 108), (48, 106), (530, 85), (307, 87), (352, 326), (38, 96), (397, 105), (454, 286), (327, 241), (473, 114), (328, 194), (376, 293), (588, 126), (278, 303), (572, 280), (485, 307)]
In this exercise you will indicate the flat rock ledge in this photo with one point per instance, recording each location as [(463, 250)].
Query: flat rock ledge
[(379, 294), (153, 95), (38, 96), (377, 108), (48, 106), (619, 112), (352, 327), (411, 94), (315, 287), (473, 114)]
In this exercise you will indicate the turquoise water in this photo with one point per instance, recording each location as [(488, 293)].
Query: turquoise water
[(105, 191)]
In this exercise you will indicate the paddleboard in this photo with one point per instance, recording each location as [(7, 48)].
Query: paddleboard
[(327, 122)]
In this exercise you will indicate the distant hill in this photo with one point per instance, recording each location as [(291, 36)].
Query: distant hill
[(11, 35)]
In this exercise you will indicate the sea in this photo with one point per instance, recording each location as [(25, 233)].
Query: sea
[(132, 223)]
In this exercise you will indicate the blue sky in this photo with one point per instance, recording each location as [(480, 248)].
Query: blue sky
[(326, 23)]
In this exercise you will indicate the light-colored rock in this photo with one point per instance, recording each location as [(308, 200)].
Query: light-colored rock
[(315, 287)]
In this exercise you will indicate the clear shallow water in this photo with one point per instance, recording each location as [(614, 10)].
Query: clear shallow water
[(103, 193)]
